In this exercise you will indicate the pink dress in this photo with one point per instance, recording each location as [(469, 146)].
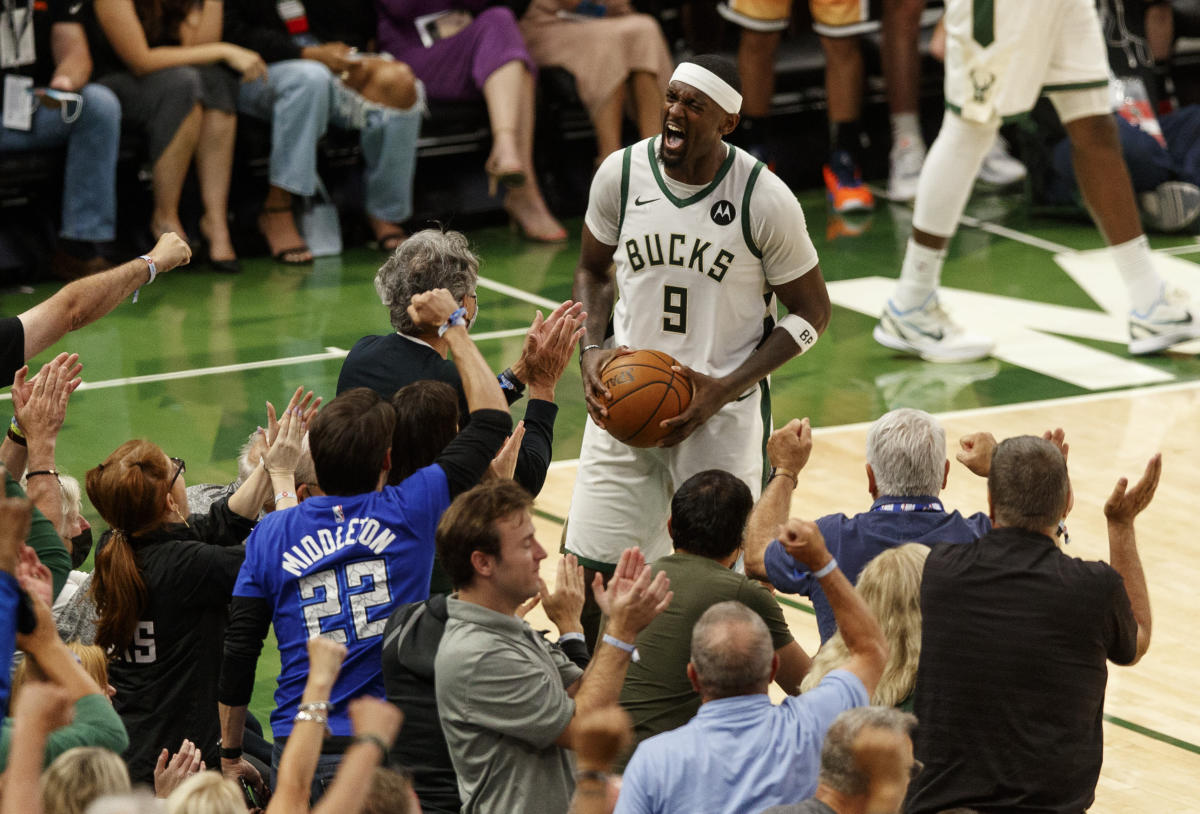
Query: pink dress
[(600, 53)]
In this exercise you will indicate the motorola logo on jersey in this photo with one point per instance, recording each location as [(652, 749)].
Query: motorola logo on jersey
[(723, 213)]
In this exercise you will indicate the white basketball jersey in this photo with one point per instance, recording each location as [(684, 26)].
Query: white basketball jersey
[(690, 280)]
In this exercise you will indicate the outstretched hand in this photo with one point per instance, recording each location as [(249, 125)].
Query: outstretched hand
[(308, 411), (1059, 439), (1124, 504), (40, 404), (548, 347), (171, 770)]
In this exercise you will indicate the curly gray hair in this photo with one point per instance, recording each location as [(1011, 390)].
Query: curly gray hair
[(429, 259)]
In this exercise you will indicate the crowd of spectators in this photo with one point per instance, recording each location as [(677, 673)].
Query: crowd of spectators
[(180, 72), (388, 545)]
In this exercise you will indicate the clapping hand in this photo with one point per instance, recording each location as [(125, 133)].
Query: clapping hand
[(34, 577), (168, 774), (40, 403), (1124, 504), (308, 411), (564, 604), (504, 465), (548, 347), (634, 596)]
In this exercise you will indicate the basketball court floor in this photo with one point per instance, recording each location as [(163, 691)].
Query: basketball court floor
[(191, 365)]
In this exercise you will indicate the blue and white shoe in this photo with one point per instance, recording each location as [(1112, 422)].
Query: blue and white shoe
[(1168, 322), (928, 332)]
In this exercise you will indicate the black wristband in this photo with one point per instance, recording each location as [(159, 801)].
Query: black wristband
[(509, 381), (231, 752), (377, 741)]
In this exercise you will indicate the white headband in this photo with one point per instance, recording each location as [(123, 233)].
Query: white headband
[(707, 82)]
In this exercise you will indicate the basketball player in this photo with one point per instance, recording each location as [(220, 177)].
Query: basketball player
[(704, 239), (999, 57)]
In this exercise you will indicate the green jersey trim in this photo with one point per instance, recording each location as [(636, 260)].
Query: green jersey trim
[(682, 202), (983, 22), (626, 162), (754, 250)]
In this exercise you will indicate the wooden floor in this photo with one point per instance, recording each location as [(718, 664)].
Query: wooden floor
[(1152, 734)]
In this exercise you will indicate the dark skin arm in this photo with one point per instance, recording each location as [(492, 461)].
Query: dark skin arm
[(595, 289), (805, 296)]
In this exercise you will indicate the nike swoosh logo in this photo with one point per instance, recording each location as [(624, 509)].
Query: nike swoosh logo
[(73, 10), (640, 202)]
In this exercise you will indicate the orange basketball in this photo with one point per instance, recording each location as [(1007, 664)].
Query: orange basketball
[(644, 392)]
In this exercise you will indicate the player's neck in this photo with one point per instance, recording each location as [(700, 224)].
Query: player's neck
[(700, 170)]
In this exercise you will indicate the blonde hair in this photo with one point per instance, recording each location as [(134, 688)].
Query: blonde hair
[(80, 775), (890, 585), (206, 793), (90, 656)]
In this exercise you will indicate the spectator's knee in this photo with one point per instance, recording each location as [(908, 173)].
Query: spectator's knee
[(397, 83), (100, 103)]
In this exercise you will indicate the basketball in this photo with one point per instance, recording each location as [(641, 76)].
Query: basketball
[(645, 391)]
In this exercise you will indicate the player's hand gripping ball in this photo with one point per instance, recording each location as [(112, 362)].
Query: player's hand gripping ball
[(645, 391)]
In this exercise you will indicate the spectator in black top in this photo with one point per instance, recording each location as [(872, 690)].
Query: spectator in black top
[(86, 118), (1015, 640), (435, 259), (162, 584), (314, 80)]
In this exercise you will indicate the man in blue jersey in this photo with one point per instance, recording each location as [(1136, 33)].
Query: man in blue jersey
[(338, 564), (906, 470)]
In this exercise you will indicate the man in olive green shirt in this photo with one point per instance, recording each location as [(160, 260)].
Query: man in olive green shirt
[(708, 516)]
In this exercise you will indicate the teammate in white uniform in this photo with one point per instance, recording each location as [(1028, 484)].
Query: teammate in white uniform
[(1000, 56), (704, 238)]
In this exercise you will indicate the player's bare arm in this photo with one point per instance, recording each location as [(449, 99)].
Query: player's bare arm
[(807, 297), (594, 287)]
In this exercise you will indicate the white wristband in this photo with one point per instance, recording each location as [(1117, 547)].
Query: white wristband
[(620, 645), (800, 330), (153, 273), (829, 568)]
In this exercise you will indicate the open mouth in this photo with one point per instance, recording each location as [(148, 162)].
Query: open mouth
[(673, 137)]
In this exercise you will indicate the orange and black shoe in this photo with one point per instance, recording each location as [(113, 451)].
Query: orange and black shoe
[(844, 186)]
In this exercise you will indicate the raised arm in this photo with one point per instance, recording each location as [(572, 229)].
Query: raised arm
[(84, 301), (376, 723), (435, 308), (788, 449), (1121, 508), (806, 297), (858, 626)]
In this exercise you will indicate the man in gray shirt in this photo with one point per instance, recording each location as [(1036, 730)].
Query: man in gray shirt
[(508, 701)]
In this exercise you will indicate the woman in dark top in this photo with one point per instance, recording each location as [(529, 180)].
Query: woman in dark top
[(166, 63), (162, 585)]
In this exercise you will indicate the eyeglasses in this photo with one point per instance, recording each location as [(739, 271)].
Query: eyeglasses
[(180, 468)]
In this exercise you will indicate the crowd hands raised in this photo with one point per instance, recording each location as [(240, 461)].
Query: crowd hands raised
[(316, 537)]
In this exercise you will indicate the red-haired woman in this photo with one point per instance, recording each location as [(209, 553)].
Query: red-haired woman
[(162, 583)]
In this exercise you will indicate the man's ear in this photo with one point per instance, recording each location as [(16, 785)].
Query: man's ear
[(387, 460), (483, 563), (946, 474), (670, 531), (693, 677), (872, 487), (1070, 499), (991, 509), (729, 123)]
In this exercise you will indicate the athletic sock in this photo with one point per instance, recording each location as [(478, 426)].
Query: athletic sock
[(919, 276), (905, 126), (1136, 265), (847, 136)]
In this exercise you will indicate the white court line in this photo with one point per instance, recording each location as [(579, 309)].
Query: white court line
[(977, 412), (518, 293), (1014, 234), (329, 353)]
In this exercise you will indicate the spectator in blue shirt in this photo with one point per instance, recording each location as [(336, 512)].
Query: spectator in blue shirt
[(906, 470), (741, 752)]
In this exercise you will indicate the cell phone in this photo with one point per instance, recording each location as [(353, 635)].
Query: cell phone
[(249, 793)]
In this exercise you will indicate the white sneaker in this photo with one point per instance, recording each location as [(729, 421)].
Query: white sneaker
[(1168, 322), (929, 332), (906, 159), (1000, 169), (1172, 206)]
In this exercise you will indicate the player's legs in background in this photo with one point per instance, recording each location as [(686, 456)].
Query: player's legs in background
[(913, 320), (756, 64), (1158, 317), (902, 74), (844, 97)]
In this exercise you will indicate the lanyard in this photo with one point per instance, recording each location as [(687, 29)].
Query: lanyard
[(931, 506), (11, 7)]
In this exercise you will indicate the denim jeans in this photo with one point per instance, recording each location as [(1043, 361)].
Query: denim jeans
[(327, 766), (89, 206), (301, 98)]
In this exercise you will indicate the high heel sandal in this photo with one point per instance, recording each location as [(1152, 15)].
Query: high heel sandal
[(288, 256), (508, 177), (203, 254)]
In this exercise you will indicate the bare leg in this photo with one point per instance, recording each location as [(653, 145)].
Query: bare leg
[(607, 121), (169, 172), (1103, 178), (503, 92), (386, 83), (214, 163), (525, 203), (647, 103), (278, 226), (756, 63), (843, 78), (901, 59)]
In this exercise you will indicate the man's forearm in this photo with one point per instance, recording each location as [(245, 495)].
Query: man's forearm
[(233, 724), (768, 514), (479, 383), (595, 292), (299, 760), (779, 348), (22, 794), (45, 491), (1124, 558), (601, 683)]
